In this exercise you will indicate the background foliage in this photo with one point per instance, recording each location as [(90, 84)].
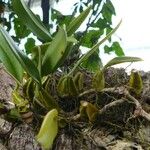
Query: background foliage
[(98, 24)]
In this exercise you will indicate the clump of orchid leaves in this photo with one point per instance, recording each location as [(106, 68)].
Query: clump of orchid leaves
[(33, 73)]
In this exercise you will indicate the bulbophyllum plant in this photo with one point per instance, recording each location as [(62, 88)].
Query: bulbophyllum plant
[(31, 73)]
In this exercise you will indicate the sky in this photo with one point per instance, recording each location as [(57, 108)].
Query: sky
[(134, 30)]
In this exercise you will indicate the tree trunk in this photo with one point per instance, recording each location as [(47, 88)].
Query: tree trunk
[(45, 8)]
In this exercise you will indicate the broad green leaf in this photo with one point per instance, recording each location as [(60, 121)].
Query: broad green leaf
[(48, 130), (15, 52), (101, 24), (75, 23), (55, 52), (29, 45), (123, 59), (95, 47), (91, 38), (108, 10), (20, 28), (30, 19), (93, 62), (8, 58), (115, 47), (110, 7), (60, 18), (107, 49)]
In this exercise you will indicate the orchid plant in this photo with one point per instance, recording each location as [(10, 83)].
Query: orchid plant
[(31, 73)]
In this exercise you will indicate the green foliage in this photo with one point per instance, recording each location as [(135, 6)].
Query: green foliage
[(48, 130), (93, 63), (115, 47), (48, 60), (28, 89), (94, 48), (108, 10), (29, 45), (54, 53), (92, 38), (60, 18), (31, 20), (19, 58), (20, 29), (100, 24), (76, 22), (7, 50)]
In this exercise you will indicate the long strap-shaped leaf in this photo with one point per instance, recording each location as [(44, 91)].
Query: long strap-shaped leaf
[(54, 52), (122, 59), (75, 23), (30, 19), (94, 48), (16, 53), (8, 59)]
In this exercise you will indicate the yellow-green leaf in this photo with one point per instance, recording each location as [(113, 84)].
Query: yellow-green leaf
[(88, 110), (67, 87), (98, 81), (79, 80), (47, 100), (135, 82), (48, 130), (21, 103), (29, 88)]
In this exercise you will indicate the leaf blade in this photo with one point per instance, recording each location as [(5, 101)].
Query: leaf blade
[(30, 19), (94, 48), (75, 23), (24, 61), (9, 60), (121, 59), (48, 130), (55, 52)]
